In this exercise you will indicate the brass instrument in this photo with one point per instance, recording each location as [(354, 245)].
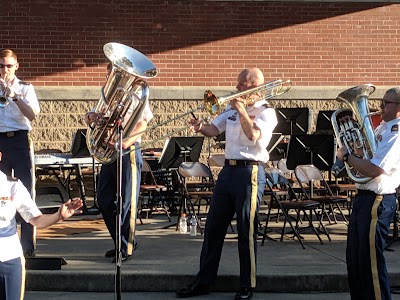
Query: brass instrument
[(262, 92), (356, 134), (213, 104), (125, 90), (3, 90)]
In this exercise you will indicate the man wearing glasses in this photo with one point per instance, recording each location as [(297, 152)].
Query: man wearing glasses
[(18, 107), (374, 206)]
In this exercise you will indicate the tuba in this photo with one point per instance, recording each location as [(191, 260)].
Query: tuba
[(125, 90), (356, 134)]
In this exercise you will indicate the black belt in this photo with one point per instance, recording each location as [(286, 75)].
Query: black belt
[(240, 162), (10, 134), (371, 193), (366, 192)]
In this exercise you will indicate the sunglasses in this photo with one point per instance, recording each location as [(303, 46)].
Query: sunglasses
[(384, 103), (9, 66)]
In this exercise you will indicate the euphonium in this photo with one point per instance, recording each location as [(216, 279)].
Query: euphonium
[(125, 90), (359, 134)]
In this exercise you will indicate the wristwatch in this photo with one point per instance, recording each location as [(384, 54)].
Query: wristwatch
[(345, 157)]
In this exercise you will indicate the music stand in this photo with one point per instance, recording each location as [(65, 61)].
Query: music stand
[(181, 149), (318, 150), (292, 121), (324, 124), (276, 148), (79, 147)]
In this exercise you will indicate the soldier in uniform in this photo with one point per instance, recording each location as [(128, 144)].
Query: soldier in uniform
[(131, 176), (374, 206), (239, 188), (18, 108)]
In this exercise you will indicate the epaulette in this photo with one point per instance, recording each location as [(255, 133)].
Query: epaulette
[(11, 178), (395, 128), (268, 105), (24, 82)]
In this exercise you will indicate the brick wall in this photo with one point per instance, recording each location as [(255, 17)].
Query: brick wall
[(202, 43), (323, 47)]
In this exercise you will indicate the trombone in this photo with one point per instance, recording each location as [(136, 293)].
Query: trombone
[(213, 105)]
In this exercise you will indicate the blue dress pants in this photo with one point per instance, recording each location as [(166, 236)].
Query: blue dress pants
[(239, 190), (367, 235)]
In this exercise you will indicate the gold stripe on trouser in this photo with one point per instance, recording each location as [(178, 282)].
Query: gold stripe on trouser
[(132, 218), (23, 277), (372, 249), (253, 207), (33, 191)]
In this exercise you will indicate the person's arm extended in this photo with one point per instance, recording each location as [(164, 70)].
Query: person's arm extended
[(208, 130), (65, 211)]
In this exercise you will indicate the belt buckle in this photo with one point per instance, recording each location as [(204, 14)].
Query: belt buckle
[(10, 134), (232, 162)]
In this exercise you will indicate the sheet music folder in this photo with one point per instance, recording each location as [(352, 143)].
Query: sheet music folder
[(180, 149)]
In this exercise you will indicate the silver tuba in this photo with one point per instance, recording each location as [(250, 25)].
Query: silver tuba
[(126, 89), (359, 134)]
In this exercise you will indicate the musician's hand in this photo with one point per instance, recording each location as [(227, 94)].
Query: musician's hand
[(196, 124), (341, 152), (69, 208), (238, 103)]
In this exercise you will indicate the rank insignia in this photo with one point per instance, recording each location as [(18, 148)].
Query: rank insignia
[(395, 128), (379, 137)]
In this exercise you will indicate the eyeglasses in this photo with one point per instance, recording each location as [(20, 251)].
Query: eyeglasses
[(9, 66), (384, 102)]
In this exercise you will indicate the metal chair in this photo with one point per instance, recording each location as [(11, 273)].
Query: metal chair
[(309, 177), (284, 198), (197, 184), (151, 193)]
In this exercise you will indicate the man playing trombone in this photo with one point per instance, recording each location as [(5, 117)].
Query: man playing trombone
[(239, 187)]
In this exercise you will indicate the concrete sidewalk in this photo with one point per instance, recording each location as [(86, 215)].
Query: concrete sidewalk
[(167, 260)]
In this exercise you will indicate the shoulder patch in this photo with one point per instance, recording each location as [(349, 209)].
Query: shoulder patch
[(395, 128), (268, 105), (24, 82), (10, 178)]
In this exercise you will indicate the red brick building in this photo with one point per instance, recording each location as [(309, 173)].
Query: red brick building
[(322, 46)]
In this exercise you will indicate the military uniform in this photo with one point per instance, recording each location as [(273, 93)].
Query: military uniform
[(107, 191), (16, 148), (14, 197), (239, 190), (373, 210)]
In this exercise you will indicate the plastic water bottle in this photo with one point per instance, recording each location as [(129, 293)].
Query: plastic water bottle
[(193, 226), (183, 224)]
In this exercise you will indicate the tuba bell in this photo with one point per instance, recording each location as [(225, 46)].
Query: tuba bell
[(356, 134), (126, 90)]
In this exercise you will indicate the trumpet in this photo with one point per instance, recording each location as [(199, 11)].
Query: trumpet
[(4, 83)]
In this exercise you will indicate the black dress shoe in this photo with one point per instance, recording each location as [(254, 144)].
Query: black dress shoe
[(244, 293), (124, 257), (193, 289), (29, 253), (110, 253)]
